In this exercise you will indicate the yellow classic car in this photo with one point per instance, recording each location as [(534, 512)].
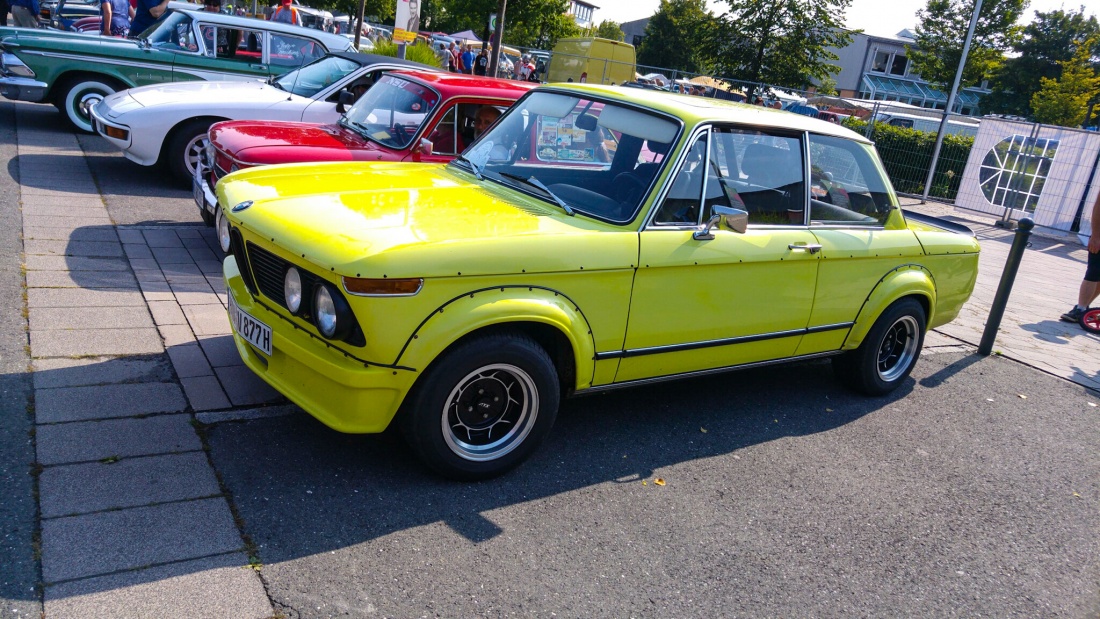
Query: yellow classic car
[(594, 238)]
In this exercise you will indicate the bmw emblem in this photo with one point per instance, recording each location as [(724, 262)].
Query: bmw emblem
[(242, 206)]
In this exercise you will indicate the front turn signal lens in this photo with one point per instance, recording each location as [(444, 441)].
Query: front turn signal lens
[(383, 287), (116, 133)]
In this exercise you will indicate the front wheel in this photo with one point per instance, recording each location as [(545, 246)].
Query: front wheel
[(889, 352), (1090, 320), (483, 407), (80, 95), (184, 149)]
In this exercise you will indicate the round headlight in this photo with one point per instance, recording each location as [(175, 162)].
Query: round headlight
[(292, 290), (223, 231), (324, 311), (331, 313)]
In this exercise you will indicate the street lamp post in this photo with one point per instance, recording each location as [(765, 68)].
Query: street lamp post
[(951, 101)]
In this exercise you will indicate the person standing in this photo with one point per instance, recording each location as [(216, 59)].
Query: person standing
[(467, 60), (1090, 286), (287, 14), (481, 63), (25, 13), (116, 17), (452, 58), (146, 14)]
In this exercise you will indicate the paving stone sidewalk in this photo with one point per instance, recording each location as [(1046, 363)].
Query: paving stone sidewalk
[(1046, 286), (128, 338)]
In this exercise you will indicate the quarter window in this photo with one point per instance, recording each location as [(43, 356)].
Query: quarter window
[(847, 185)]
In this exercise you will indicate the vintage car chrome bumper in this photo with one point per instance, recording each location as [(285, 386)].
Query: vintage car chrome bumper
[(23, 89), (202, 191)]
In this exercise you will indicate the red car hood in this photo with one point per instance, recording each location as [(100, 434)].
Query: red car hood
[(265, 143)]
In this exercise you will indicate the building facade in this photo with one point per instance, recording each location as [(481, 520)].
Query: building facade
[(878, 68), (582, 13)]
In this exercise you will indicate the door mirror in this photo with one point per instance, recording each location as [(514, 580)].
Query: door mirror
[(726, 218)]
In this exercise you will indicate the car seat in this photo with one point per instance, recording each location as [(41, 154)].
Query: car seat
[(774, 177)]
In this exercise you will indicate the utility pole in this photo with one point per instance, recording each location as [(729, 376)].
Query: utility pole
[(498, 36), (951, 101)]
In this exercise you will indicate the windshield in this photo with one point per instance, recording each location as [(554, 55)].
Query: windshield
[(392, 111), (599, 157), (174, 32), (317, 76)]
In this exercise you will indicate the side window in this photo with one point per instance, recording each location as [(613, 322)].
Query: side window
[(681, 203), (292, 51), (759, 172), (846, 183), (444, 138), (232, 43)]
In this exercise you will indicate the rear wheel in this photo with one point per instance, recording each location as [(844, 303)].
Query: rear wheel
[(889, 351), (483, 407), (185, 148), (77, 97)]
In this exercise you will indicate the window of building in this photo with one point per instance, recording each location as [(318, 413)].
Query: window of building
[(899, 64), (882, 60)]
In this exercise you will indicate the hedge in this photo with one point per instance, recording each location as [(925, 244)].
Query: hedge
[(907, 153)]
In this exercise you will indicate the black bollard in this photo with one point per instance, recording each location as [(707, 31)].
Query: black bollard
[(1015, 254)]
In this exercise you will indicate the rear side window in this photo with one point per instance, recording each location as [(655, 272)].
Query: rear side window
[(847, 185), (292, 51)]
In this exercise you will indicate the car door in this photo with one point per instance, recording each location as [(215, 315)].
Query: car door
[(736, 298), (862, 236), (224, 52)]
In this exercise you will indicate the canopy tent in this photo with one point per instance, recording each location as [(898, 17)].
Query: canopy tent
[(707, 80), (465, 35), (659, 79)]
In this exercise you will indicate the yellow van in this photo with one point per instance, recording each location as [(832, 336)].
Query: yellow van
[(591, 60)]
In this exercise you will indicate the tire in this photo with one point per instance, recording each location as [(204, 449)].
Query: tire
[(460, 444), (1090, 320), (79, 93), (888, 353), (183, 150)]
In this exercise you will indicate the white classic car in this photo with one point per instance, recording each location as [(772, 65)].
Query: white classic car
[(168, 123)]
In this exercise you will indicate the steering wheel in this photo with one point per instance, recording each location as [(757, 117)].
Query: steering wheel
[(627, 189)]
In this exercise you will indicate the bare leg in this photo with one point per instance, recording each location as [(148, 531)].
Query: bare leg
[(1089, 292)]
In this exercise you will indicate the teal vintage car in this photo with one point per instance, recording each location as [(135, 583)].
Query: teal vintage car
[(75, 71)]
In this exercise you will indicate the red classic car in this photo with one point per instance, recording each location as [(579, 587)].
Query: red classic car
[(406, 115)]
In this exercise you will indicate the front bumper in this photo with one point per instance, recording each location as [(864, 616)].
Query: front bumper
[(202, 192), (342, 393), (23, 89)]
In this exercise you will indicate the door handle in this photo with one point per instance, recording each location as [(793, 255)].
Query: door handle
[(813, 249), (261, 67)]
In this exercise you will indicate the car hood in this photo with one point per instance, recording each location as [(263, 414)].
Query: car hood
[(265, 143), (390, 220), (213, 95)]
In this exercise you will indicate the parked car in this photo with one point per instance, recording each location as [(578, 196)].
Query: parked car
[(60, 14), (167, 124), (75, 71), (461, 301), (408, 115)]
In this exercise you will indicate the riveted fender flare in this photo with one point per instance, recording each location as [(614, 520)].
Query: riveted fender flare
[(904, 281), (496, 306)]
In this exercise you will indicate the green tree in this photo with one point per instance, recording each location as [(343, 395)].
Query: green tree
[(1052, 38), (941, 32), (777, 42), (606, 30), (538, 23), (673, 36), (1064, 101)]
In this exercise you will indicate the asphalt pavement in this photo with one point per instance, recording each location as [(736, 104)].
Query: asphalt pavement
[(154, 479)]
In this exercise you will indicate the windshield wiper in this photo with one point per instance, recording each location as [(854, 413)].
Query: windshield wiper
[(473, 167), (534, 182)]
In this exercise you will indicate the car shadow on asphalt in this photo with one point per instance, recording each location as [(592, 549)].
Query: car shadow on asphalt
[(291, 474)]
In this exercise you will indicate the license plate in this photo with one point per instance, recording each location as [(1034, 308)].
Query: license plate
[(253, 331), (196, 190)]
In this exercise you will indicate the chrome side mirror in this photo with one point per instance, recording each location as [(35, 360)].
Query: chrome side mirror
[(726, 218)]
